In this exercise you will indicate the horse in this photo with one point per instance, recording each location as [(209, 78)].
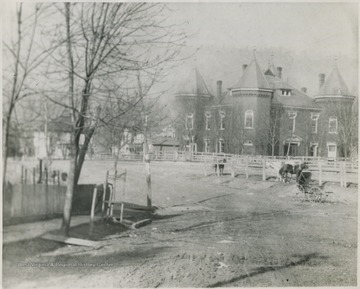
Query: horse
[(292, 170), (221, 165)]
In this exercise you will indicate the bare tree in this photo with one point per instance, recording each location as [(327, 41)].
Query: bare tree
[(348, 118), (104, 43), (24, 57), (273, 135)]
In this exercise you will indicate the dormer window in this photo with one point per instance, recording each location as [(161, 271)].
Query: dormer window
[(222, 119), (286, 92)]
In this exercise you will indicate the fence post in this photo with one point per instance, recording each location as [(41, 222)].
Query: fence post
[(246, 167), (232, 168), (92, 213), (217, 167), (58, 177), (34, 176), (344, 171), (46, 176), (341, 174), (320, 172), (26, 176), (22, 174), (263, 169)]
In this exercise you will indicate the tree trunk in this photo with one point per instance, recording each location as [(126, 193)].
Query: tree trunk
[(6, 149), (82, 154), (65, 226)]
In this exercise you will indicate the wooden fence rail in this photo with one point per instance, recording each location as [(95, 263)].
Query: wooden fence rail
[(323, 169)]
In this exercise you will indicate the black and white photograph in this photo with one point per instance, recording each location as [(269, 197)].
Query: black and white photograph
[(179, 144)]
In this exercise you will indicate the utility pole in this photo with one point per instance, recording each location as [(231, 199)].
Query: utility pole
[(146, 147), (147, 165)]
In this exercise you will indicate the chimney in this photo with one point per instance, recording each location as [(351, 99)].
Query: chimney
[(219, 89), (244, 67), (279, 71), (321, 79), (303, 89)]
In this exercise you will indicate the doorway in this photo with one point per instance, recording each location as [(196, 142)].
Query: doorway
[(291, 149)]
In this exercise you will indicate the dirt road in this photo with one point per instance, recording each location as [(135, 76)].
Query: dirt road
[(208, 232)]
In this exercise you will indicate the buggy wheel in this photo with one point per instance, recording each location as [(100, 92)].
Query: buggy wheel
[(318, 196)]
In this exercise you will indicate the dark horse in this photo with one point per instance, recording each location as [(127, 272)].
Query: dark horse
[(221, 165), (292, 170)]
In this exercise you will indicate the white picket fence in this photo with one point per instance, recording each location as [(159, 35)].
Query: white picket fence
[(323, 169)]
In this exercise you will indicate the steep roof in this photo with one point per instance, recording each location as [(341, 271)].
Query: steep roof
[(194, 85), (334, 84), (296, 99), (252, 77)]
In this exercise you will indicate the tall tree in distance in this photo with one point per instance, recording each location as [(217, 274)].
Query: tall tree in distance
[(22, 58)]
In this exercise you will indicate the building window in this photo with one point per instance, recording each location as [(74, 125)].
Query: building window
[(332, 149), (286, 92), (207, 120), (313, 149), (189, 121), (222, 119), (332, 124), (249, 119), (206, 145), (221, 145), (314, 122), (292, 116)]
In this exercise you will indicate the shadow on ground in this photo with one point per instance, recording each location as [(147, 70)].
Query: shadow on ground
[(303, 260)]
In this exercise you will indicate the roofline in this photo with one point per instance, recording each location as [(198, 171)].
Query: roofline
[(297, 107), (220, 105), (255, 89), (193, 95), (334, 96)]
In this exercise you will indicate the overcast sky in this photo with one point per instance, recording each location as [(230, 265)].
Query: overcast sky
[(331, 28), (304, 39)]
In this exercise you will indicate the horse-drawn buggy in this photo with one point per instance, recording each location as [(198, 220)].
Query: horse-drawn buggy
[(303, 177)]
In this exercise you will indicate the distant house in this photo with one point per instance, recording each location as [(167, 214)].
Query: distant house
[(161, 144), (53, 138), (264, 115)]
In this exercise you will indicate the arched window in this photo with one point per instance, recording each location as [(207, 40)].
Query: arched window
[(314, 122), (249, 119), (221, 145), (222, 119), (333, 124), (207, 120), (206, 145), (292, 116), (189, 121)]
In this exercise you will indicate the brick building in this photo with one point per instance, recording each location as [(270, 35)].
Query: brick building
[(264, 115)]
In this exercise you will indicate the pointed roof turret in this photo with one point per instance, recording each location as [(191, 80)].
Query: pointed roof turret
[(334, 84), (252, 77), (194, 85)]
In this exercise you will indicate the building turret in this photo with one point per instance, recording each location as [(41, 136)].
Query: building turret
[(192, 96)]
